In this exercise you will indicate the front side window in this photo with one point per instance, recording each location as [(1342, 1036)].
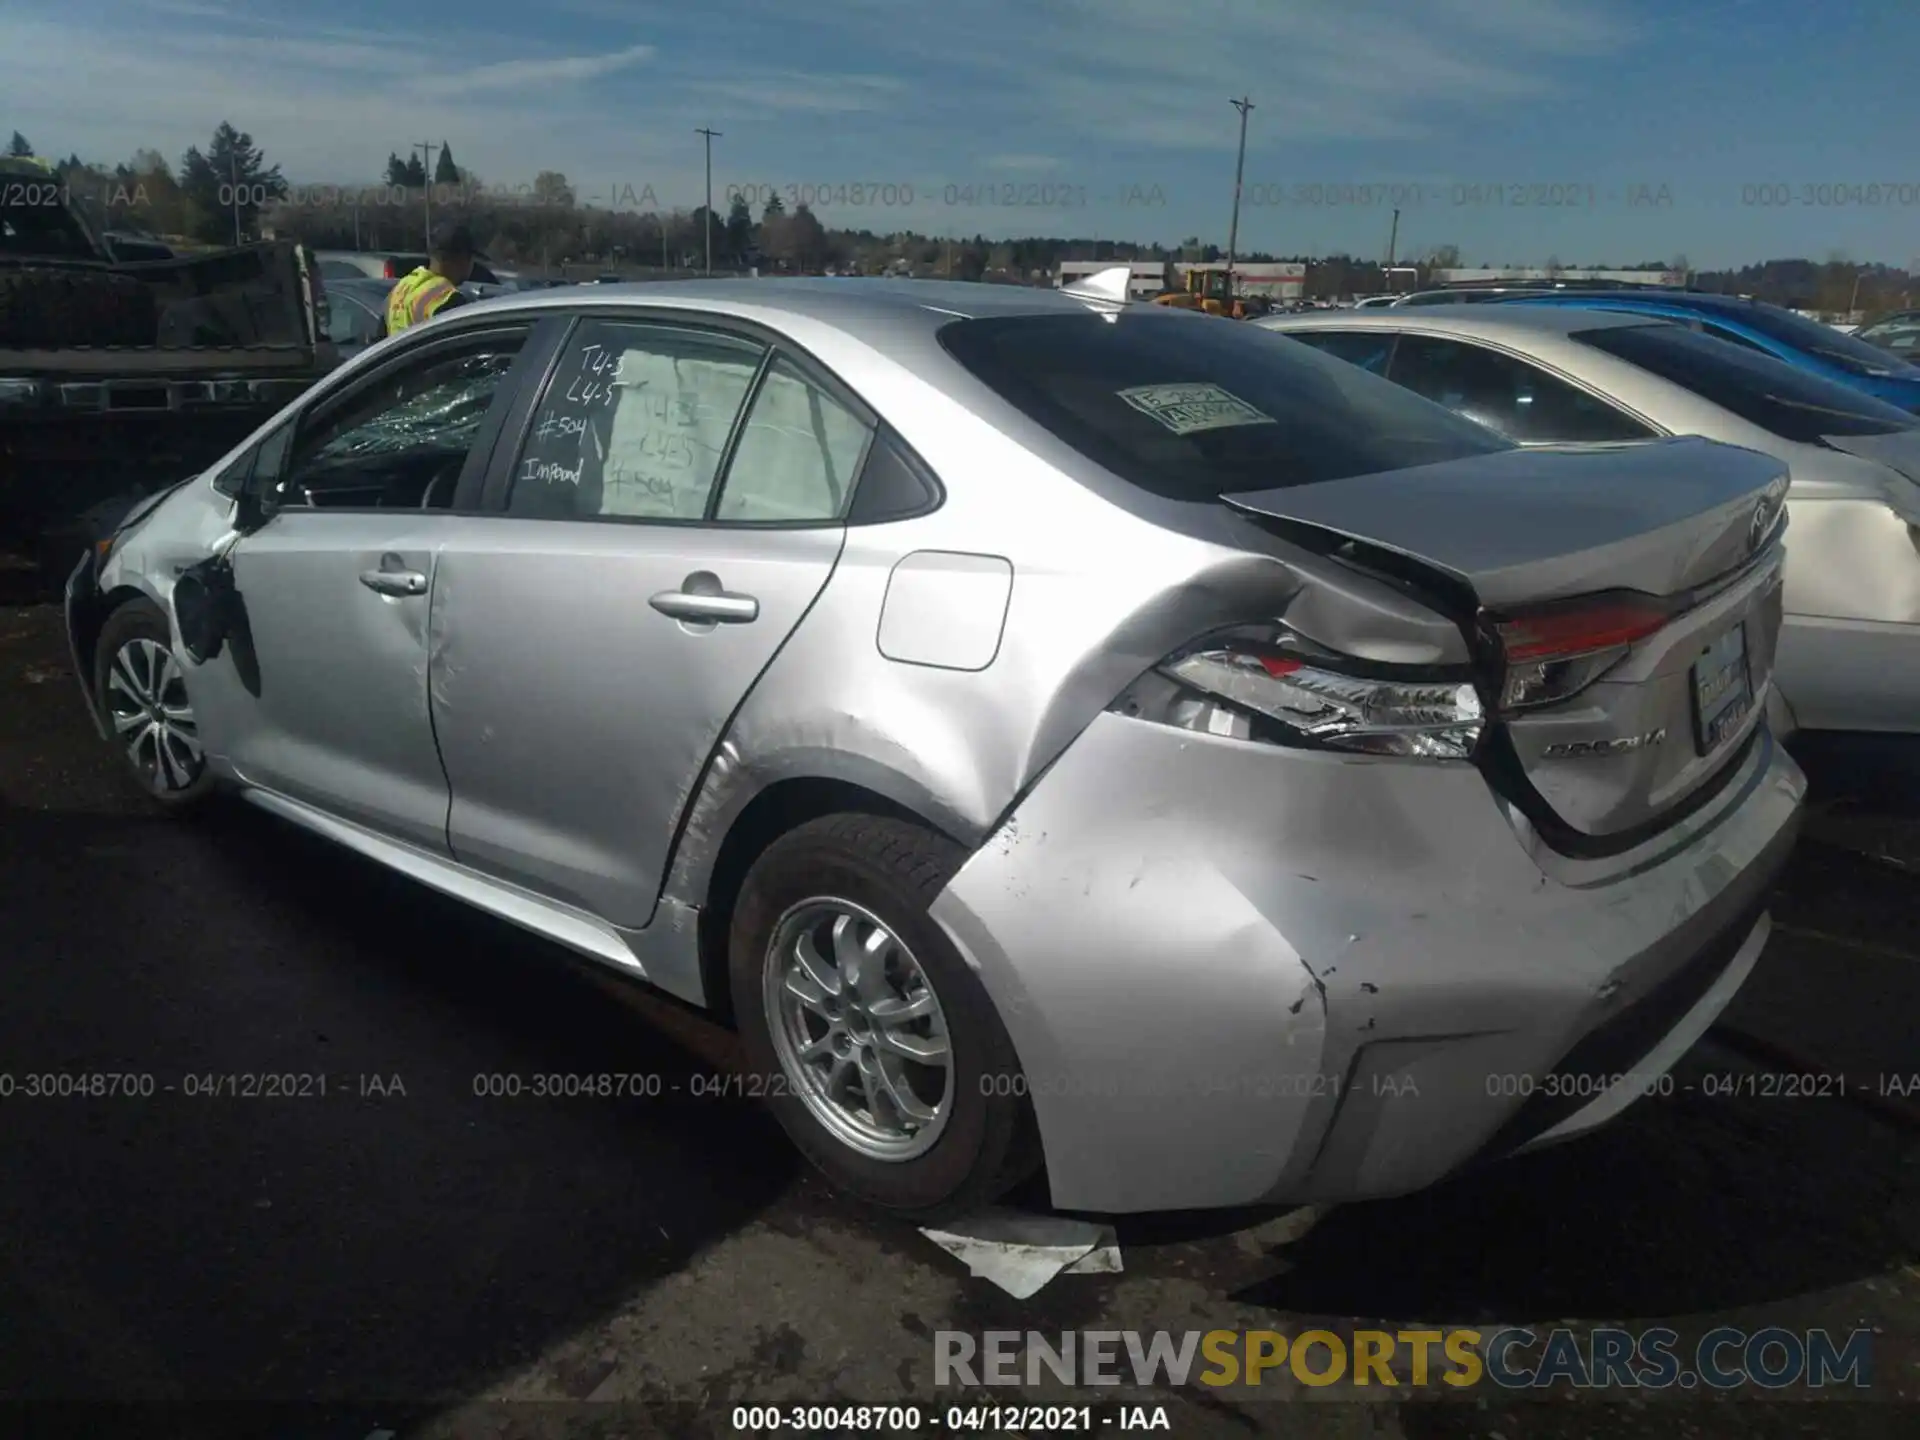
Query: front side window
[(797, 456), (1519, 400), (1780, 398), (403, 439), (634, 424), (1191, 408)]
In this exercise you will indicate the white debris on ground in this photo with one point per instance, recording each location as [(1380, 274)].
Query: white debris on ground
[(1020, 1252)]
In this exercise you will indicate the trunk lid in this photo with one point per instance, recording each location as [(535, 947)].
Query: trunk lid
[(1628, 607), (1526, 526)]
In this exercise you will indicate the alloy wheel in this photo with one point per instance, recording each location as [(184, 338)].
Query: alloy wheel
[(151, 717), (858, 1029)]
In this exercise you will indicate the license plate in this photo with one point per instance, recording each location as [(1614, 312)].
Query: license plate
[(1722, 690)]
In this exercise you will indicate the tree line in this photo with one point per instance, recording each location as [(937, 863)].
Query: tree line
[(228, 190)]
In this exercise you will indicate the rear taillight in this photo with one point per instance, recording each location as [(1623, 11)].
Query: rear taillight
[(1270, 684), (389, 271), (1554, 653)]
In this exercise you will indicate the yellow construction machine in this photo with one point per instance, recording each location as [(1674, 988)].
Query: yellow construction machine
[(1206, 289)]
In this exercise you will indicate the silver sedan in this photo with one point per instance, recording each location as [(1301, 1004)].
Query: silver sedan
[(1850, 652), (1050, 730)]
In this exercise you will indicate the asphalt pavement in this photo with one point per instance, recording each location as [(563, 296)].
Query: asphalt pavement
[(294, 1190)]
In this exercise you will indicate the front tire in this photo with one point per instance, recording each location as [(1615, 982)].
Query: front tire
[(882, 1055), (140, 687)]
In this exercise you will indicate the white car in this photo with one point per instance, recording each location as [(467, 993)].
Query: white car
[(1547, 375)]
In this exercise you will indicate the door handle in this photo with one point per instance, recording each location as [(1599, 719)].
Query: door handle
[(701, 597), (394, 582)]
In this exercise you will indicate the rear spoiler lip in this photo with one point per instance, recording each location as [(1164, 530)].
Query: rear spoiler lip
[(1424, 512)]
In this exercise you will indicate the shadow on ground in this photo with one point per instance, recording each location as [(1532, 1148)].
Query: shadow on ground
[(1690, 1203), (398, 1235)]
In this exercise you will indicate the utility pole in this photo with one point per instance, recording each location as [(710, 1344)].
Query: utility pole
[(707, 223), (426, 191), (1243, 105), (233, 177), (1393, 239)]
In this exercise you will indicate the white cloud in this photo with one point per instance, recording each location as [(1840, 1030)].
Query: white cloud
[(515, 74), (1122, 87), (1021, 162), (777, 91)]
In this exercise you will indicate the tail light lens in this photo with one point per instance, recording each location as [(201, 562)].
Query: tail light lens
[(1554, 653), (1276, 686), (389, 271)]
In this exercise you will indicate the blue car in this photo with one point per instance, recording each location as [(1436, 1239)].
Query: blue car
[(1793, 338)]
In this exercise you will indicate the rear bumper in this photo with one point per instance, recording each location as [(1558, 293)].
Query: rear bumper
[(1241, 974)]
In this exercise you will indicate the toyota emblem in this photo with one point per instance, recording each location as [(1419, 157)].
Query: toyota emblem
[(1760, 524)]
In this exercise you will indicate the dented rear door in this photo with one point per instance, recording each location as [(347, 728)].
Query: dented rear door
[(592, 640)]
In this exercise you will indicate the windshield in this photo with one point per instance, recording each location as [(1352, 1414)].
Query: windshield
[(1822, 340), (1770, 393), (1192, 408)]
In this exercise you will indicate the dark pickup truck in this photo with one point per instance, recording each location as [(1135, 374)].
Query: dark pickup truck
[(125, 368)]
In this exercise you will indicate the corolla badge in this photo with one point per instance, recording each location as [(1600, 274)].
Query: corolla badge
[(1581, 749), (1764, 514)]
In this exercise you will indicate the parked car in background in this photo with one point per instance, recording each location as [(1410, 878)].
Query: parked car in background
[(1048, 729), (357, 313), (1898, 333), (1767, 329), (1468, 292), (1540, 375), (384, 265)]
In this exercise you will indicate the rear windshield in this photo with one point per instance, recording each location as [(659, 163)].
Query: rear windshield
[(1770, 393), (1192, 407)]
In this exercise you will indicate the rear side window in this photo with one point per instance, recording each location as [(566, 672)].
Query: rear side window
[(1193, 407), (1356, 347), (797, 455), (1517, 399), (1761, 390)]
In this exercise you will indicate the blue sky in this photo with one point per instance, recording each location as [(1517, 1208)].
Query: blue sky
[(1106, 117)]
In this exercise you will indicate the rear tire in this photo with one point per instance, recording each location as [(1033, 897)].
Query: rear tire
[(140, 687), (973, 1137)]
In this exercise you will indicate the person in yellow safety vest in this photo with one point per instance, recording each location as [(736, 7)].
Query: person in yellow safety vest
[(434, 286)]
